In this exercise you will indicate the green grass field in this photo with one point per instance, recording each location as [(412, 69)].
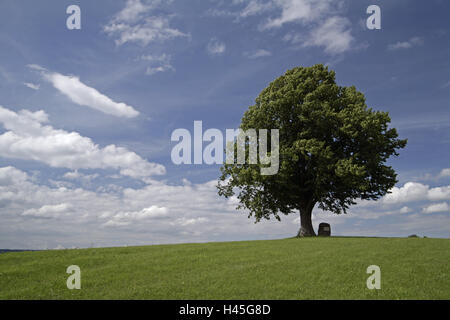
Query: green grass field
[(315, 268)]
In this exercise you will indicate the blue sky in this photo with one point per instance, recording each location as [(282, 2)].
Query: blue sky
[(86, 115)]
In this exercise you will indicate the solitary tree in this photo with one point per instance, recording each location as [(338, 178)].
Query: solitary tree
[(332, 149)]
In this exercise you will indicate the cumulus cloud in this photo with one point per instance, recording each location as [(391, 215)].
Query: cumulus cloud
[(126, 218), (157, 213), (437, 207), (215, 47), (27, 137), (444, 173), (85, 179), (405, 210), (160, 213), (83, 95), (413, 42), (414, 191), (190, 221), (134, 24), (72, 175), (11, 176), (48, 211)]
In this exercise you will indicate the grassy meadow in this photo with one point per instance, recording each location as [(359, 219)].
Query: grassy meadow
[(310, 268)]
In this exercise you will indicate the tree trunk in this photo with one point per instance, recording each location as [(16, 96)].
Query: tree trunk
[(306, 227)]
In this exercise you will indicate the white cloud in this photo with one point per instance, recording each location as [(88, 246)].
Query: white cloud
[(32, 85), (162, 213), (156, 213), (437, 207), (161, 63), (189, 222), (28, 138), (444, 173), (405, 210), (151, 30), (11, 176), (258, 54), (36, 67), (411, 191), (133, 11), (439, 193), (255, 7), (84, 178), (413, 42), (48, 211), (216, 47), (84, 95), (334, 35), (414, 191), (134, 24), (214, 12), (153, 70), (155, 58), (72, 175), (320, 19), (303, 11), (126, 218)]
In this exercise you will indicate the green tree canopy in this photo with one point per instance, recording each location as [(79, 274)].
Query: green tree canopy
[(333, 149)]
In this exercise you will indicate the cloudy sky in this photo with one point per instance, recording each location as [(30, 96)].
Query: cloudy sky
[(86, 116)]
